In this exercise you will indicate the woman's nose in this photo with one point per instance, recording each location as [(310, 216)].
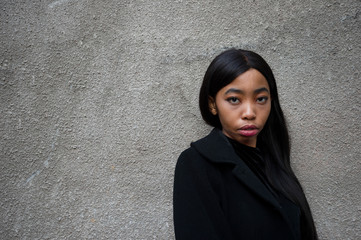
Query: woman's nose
[(248, 112)]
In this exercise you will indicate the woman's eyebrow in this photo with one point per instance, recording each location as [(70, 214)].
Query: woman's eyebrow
[(259, 90), (233, 90), (239, 91)]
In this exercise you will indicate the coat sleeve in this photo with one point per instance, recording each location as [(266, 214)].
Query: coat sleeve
[(197, 210)]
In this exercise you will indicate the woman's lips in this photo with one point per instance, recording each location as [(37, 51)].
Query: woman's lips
[(248, 130)]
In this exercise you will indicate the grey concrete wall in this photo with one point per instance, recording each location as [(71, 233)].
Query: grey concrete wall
[(98, 98)]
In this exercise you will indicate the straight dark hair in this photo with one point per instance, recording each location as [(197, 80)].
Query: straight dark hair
[(273, 140)]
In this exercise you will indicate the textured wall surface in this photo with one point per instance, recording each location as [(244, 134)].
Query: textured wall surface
[(98, 98)]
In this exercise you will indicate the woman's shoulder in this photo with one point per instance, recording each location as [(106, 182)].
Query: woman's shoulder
[(195, 148), (194, 155), (190, 156), (213, 148)]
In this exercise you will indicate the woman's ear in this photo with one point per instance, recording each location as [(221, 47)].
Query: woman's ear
[(212, 106)]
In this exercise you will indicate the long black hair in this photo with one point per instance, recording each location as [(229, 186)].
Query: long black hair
[(273, 140)]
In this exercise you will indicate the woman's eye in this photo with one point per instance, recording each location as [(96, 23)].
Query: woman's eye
[(233, 100), (262, 99)]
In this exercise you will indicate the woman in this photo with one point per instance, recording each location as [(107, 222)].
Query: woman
[(237, 182)]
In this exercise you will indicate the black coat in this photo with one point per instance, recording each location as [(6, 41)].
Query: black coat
[(217, 196)]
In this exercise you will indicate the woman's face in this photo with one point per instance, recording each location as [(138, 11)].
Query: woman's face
[(243, 107)]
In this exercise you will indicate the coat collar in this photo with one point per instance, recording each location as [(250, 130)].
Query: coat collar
[(216, 148)]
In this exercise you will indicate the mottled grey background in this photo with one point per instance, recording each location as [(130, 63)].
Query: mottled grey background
[(98, 98)]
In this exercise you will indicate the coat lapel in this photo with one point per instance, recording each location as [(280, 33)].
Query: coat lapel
[(248, 178), (217, 148)]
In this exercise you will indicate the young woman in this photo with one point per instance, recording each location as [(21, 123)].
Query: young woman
[(237, 182)]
